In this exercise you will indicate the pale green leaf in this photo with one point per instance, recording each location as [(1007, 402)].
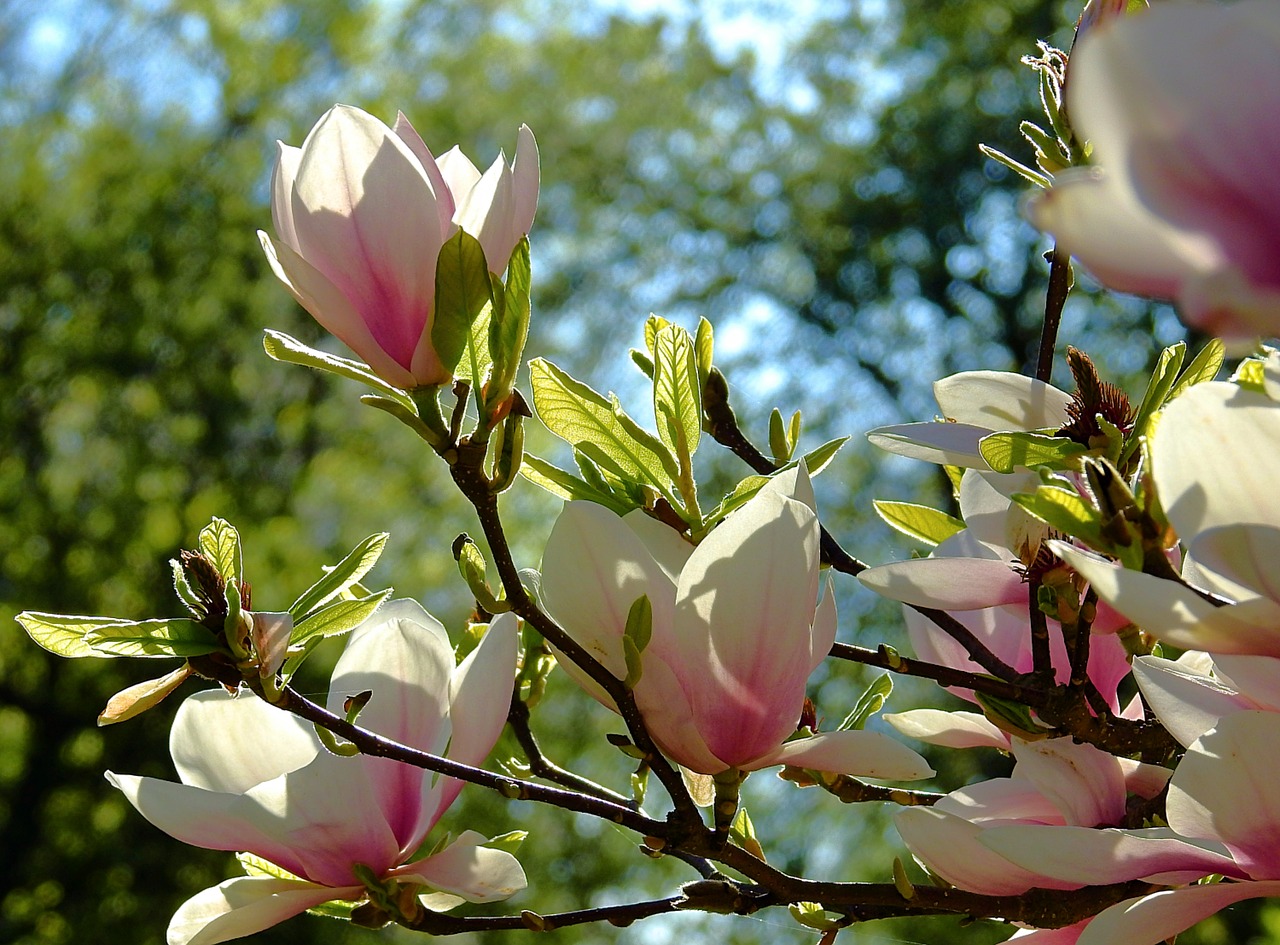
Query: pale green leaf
[(336, 618), (677, 394), (869, 703), (464, 295), (918, 521), (64, 634), (340, 577), (282, 347), (220, 543), (154, 638), (1203, 367), (1005, 452), (509, 330), (568, 486)]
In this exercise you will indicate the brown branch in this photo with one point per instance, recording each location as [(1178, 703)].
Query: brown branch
[(437, 923), (883, 658), (542, 767), (1055, 300)]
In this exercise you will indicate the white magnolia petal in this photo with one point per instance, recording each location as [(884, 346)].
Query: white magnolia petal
[(402, 655), (282, 177), (952, 848), (854, 752), (1086, 784), (1067, 935), (244, 905), (1245, 555), (1145, 780), (990, 516), (479, 699), (1187, 703), (1001, 800), (947, 583), (668, 548), (466, 869), (459, 173), (1162, 915), (445, 204), (230, 743), (593, 569), (793, 483), (1257, 677), (525, 172), (1082, 856), (1001, 400), (948, 729), (825, 624), (955, 444), (486, 211), (1225, 789), (1213, 457)]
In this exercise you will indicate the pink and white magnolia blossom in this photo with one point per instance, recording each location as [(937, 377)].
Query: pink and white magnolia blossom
[(256, 779), (1214, 457), (1191, 694), (361, 212), (1223, 811), (1178, 105), (977, 577), (737, 630), (1055, 781), (976, 404)]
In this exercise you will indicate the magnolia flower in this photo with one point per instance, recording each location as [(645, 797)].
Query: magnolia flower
[(1179, 106), (737, 629), (976, 404), (1214, 457), (361, 212), (256, 779), (981, 581), (1223, 810), (1191, 695), (1055, 781)]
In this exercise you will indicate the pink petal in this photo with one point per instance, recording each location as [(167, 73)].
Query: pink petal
[(366, 217), (479, 698), (467, 869), (445, 205), (1079, 856), (952, 443), (1162, 915), (952, 848), (244, 905), (855, 752), (999, 801), (1086, 784), (948, 583), (948, 729), (1187, 703), (525, 180), (1245, 554), (744, 608), (1225, 789), (282, 177)]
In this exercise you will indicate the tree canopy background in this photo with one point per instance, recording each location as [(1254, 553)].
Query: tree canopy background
[(807, 177)]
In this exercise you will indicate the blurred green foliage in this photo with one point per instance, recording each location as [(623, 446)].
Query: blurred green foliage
[(828, 210)]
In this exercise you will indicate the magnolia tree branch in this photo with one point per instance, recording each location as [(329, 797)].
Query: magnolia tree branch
[(542, 767), (884, 658), (1055, 300)]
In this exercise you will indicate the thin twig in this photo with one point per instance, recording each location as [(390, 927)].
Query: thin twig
[(1055, 300)]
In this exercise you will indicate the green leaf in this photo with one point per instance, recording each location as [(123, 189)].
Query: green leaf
[(568, 486), (1203, 367), (704, 346), (740, 495), (1033, 177), (182, 587), (220, 543), (580, 416), (336, 618), (509, 842), (818, 459), (869, 703), (63, 634), (464, 296), (1157, 392), (1251, 375), (1005, 452), (636, 636), (1011, 717), (340, 577), (780, 444), (1064, 510), (677, 395), (282, 347), (918, 521), (652, 325), (154, 638), (509, 330), (643, 362)]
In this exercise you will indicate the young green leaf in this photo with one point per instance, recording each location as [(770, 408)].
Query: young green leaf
[(918, 521), (336, 618), (568, 486), (133, 701), (340, 577), (464, 299), (509, 328), (220, 543), (1203, 367), (63, 634), (780, 444), (153, 638), (869, 703), (580, 416), (282, 347), (677, 395), (817, 459), (1005, 452), (704, 346)]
